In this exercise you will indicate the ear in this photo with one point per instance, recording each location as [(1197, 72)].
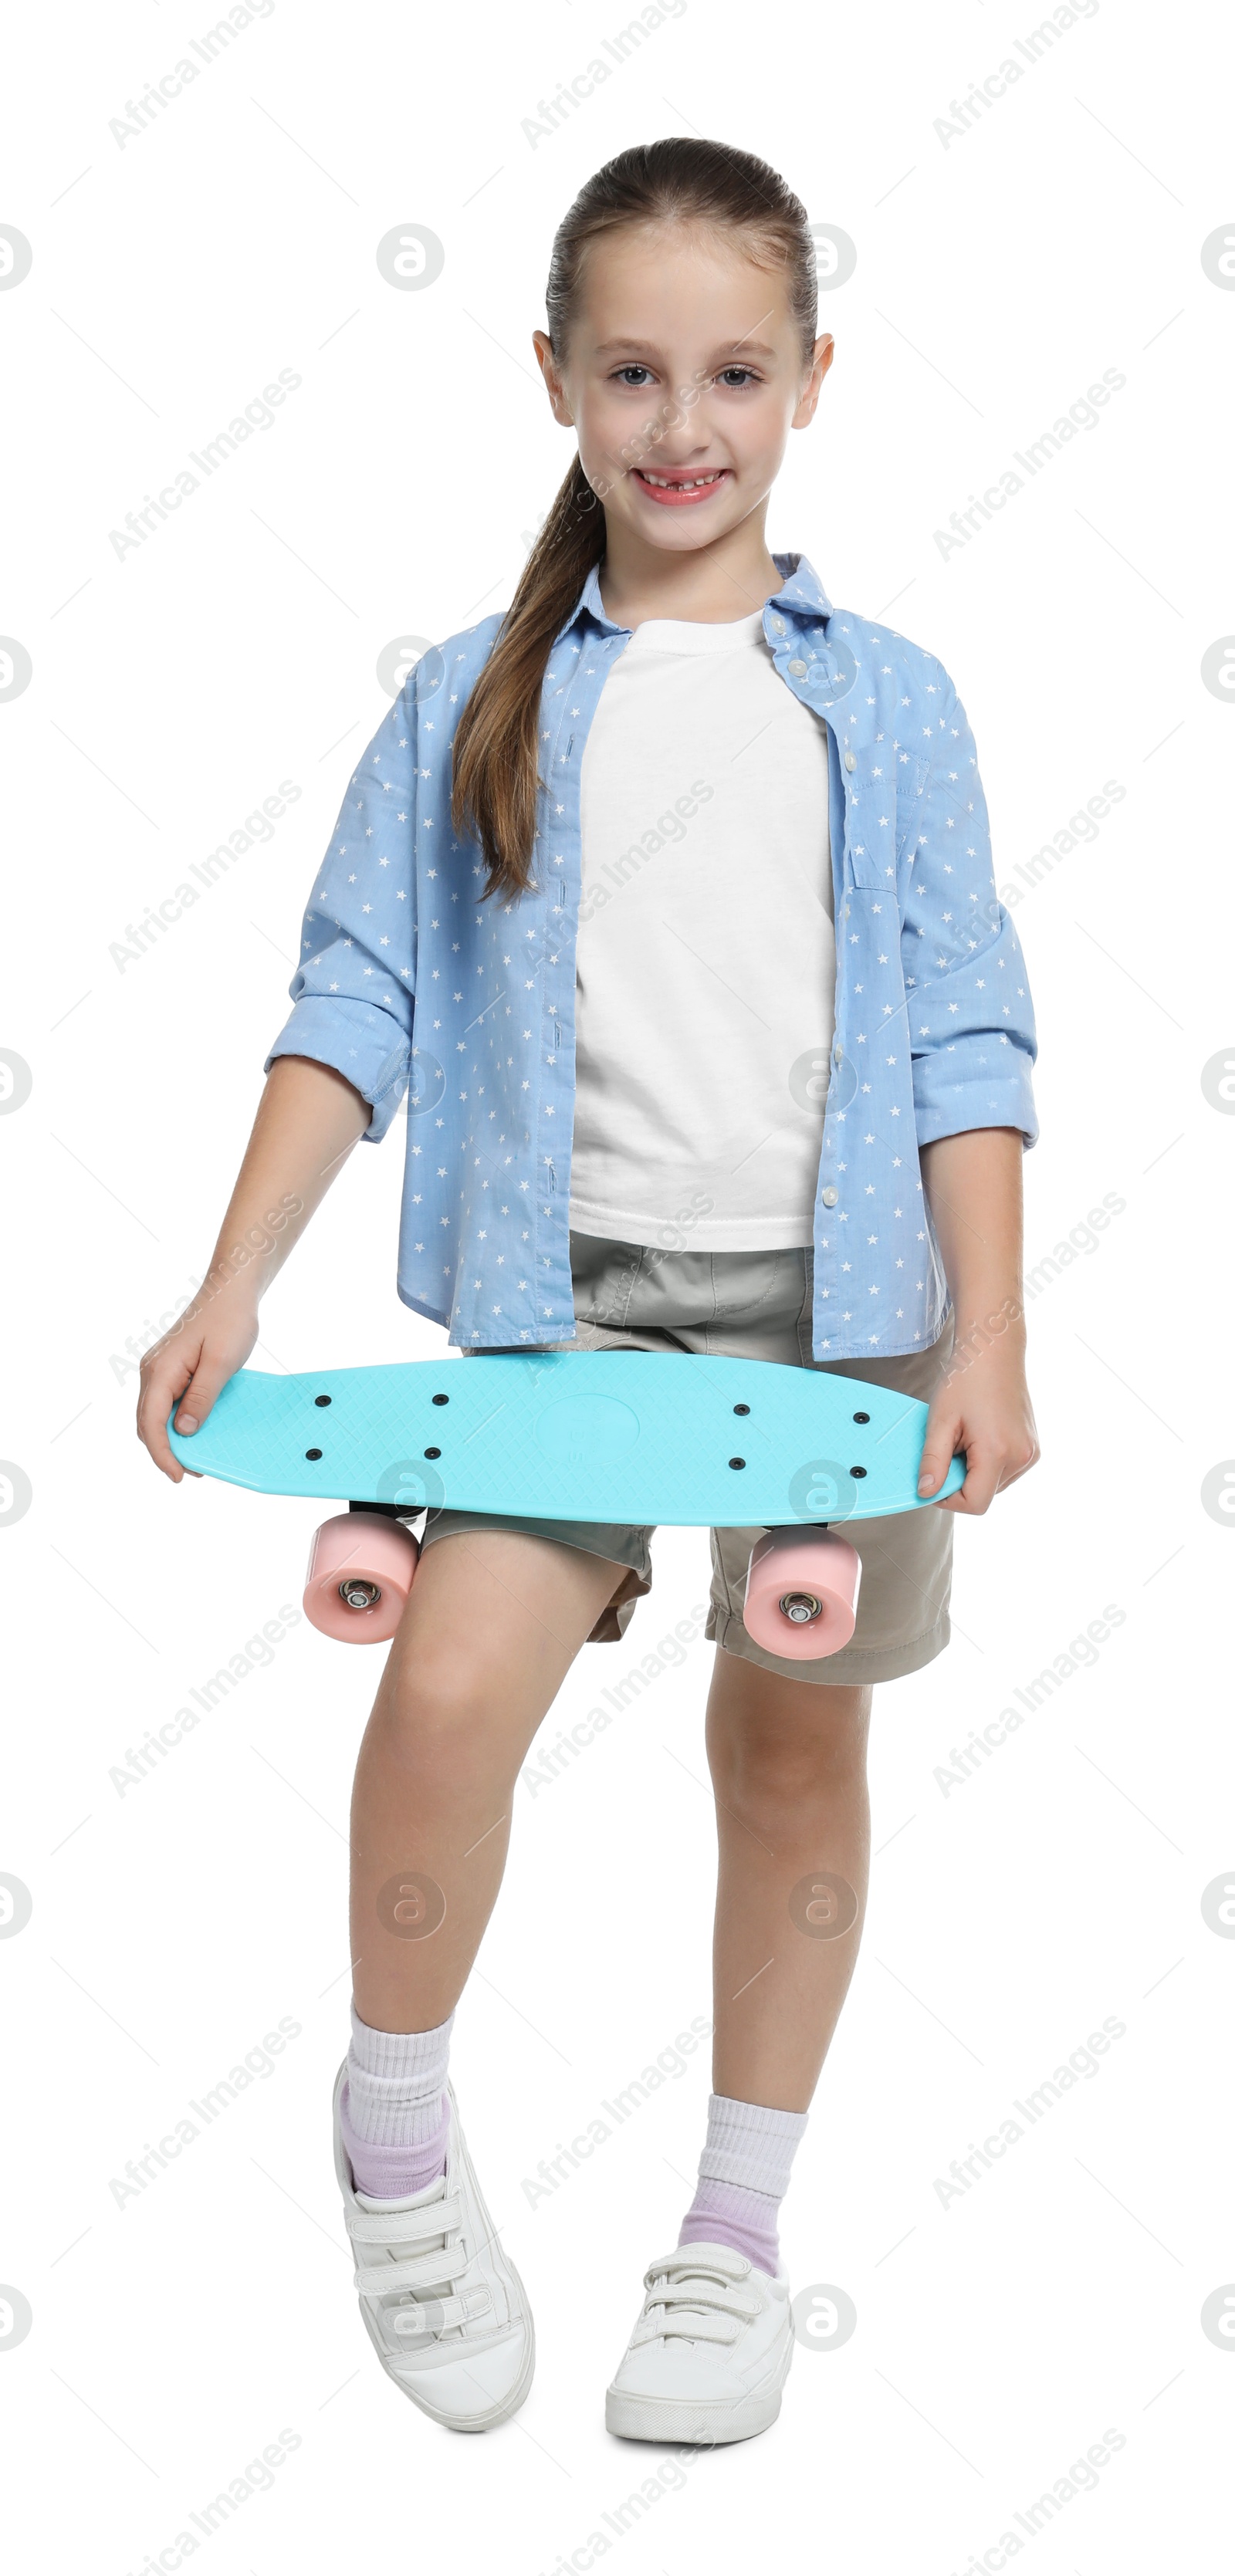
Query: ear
[(554, 387), (825, 350)]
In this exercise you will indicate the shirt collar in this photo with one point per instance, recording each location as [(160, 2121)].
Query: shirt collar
[(801, 592)]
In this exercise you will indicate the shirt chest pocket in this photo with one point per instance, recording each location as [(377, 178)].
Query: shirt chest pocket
[(881, 812)]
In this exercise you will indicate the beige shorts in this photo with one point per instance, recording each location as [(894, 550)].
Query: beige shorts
[(756, 1306)]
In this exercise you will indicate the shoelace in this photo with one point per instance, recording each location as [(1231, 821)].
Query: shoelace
[(430, 2275), (696, 2297)]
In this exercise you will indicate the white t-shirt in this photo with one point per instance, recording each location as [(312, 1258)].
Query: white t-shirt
[(706, 958)]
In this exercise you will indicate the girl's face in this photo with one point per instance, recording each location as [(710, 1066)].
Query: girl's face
[(683, 378)]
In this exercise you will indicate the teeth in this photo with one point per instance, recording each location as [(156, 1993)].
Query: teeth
[(694, 484)]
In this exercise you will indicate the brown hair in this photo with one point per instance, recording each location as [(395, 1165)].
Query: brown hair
[(686, 180)]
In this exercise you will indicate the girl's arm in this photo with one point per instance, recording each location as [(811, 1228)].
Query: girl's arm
[(307, 1122), (973, 1184)]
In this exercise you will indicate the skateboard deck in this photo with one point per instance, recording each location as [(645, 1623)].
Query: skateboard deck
[(641, 1437)]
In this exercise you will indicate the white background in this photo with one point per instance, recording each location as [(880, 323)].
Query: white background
[(999, 2336)]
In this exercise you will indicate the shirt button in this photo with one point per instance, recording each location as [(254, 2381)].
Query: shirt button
[(798, 669), (850, 761), (778, 626), (830, 1197)]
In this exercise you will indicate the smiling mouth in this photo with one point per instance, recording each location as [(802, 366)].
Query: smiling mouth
[(681, 488)]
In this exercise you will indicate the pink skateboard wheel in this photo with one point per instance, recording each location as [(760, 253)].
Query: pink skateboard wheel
[(360, 1574), (802, 1593)]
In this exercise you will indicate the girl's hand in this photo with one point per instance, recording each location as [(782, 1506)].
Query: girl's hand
[(307, 1122), (212, 1339), (985, 1412)]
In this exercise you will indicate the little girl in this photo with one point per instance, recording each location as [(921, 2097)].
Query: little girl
[(665, 896)]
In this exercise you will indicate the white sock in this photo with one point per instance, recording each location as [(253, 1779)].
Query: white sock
[(750, 2145), (743, 2177), (395, 2082), (394, 2117)]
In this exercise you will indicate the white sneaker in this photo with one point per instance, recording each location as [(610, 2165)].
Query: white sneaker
[(710, 2352), (445, 2309)]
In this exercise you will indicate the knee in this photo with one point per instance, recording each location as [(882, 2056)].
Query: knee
[(437, 1710), (780, 1786), (792, 1758)]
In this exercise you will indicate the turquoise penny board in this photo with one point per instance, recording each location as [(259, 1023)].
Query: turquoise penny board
[(629, 1436)]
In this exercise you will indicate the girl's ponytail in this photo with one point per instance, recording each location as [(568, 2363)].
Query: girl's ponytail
[(496, 743), (684, 180)]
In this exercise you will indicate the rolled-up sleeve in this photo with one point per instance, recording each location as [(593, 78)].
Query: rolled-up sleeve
[(353, 991), (971, 1024)]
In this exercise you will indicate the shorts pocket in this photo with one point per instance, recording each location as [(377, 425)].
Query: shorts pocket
[(603, 1272)]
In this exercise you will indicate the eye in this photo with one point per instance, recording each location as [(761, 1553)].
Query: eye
[(621, 375), (747, 375)]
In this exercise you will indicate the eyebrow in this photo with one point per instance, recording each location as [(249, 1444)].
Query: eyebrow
[(755, 348)]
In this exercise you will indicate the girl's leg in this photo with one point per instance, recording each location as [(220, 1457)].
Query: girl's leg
[(494, 1621), (788, 1764)]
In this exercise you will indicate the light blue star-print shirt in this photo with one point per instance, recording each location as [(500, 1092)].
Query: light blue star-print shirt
[(460, 1013)]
